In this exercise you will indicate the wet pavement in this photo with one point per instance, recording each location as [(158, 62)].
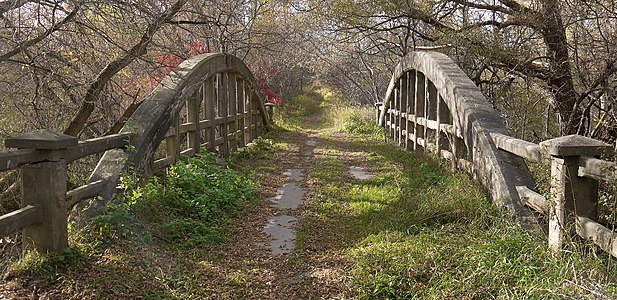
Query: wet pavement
[(360, 173), (281, 226)]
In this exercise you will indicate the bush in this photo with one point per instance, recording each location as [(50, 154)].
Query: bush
[(191, 207)]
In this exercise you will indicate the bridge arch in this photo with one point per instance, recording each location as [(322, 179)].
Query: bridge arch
[(432, 105), (209, 101)]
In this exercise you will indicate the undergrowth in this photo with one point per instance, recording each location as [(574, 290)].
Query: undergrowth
[(190, 206)]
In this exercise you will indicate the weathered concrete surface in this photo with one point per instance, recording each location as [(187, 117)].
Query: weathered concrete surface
[(43, 139), (498, 171)]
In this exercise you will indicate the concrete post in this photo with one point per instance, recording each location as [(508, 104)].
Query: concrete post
[(43, 185), (570, 194), (378, 107)]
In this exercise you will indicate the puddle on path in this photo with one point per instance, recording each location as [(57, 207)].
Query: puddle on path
[(360, 173), (294, 174), (311, 143), (289, 196), (280, 229)]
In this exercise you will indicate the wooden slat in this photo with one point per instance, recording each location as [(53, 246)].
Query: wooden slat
[(598, 169), (193, 106), (232, 87), (521, 148), (532, 199), (14, 158), (240, 113), (187, 152), (209, 104), (98, 145), (187, 127), (600, 235), (223, 97), (13, 221), (89, 190), (162, 163), (431, 124)]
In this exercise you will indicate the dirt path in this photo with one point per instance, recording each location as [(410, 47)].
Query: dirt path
[(278, 270), (244, 268)]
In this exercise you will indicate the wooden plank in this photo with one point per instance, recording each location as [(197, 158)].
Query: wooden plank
[(224, 111), (521, 148), (172, 142), (162, 163), (187, 152), (89, 190), (419, 110), (12, 159), (193, 105), (251, 118), (600, 235), (411, 106), (532, 199), (209, 104), (203, 124), (597, 169), (241, 110), (430, 124), (441, 111), (232, 87), (16, 220), (50, 233), (98, 145)]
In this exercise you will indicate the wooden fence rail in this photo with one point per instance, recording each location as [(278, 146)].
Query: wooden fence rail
[(431, 105), (210, 101), (575, 173)]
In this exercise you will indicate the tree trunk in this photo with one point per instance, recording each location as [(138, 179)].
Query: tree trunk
[(560, 81)]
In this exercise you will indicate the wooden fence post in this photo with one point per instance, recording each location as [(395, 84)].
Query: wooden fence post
[(419, 112), (378, 108), (43, 185), (570, 194)]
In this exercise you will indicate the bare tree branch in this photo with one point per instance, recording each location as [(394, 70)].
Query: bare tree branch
[(94, 90)]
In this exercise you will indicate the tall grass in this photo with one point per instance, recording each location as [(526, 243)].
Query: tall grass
[(418, 230)]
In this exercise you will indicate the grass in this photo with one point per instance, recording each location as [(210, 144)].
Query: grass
[(417, 230), (153, 241)]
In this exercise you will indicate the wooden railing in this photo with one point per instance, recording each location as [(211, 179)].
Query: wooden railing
[(210, 101), (431, 105), (575, 173), (42, 158)]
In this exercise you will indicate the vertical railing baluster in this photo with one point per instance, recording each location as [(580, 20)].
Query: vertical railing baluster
[(443, 117), (210, 97), (411, 110), (232, 87), (172, 143), (419, 111), (224, 112), (193, 104), (431, 110), (402, 111), (241, 111)]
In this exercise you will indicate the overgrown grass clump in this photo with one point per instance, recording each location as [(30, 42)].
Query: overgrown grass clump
[(191, 206)]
